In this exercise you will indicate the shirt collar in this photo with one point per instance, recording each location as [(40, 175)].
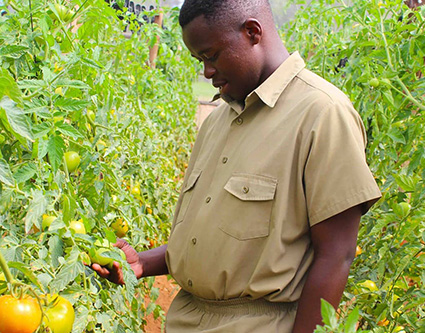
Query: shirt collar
[(270, 90)]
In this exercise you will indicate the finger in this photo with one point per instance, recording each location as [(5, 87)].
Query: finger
[(121, 243), (102, 271)]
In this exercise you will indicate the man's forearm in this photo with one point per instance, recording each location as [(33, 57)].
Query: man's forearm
[(327, 279), (153, 261)]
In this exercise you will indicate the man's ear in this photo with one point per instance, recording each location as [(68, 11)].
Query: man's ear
[(253, 30)]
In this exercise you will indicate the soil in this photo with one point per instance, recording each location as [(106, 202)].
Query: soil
[(168, 288)]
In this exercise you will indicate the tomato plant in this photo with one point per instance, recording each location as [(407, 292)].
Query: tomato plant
[(374, 52), (82, 87), (19, 315), (59, 314)]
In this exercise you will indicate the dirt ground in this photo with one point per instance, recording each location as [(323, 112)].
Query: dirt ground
[(168, 289)]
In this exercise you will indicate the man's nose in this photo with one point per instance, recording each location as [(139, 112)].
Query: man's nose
[(209, 70)]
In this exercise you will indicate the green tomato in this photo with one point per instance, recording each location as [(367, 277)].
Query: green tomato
[(402, 209), (91, 116), (78, 227), (72, 160), (47, 221), (64, 13), (99, 258), (60, 315), (369, 284), (374, 82)]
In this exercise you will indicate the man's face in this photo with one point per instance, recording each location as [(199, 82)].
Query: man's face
[(228, 57)]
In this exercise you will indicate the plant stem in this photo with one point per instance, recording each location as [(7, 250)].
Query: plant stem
[(5, 268)]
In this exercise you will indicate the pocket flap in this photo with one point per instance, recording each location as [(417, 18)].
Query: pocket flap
[(251, 187), (191, 181)]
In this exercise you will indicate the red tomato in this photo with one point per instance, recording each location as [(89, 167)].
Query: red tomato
[(19, 315)]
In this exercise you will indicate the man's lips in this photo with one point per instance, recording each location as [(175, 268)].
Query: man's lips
[(219, 84)]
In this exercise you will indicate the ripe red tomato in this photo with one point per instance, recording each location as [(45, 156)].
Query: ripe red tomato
[(60, 315), (19, 315)]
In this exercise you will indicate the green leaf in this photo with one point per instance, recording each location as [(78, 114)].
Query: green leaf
[(15, 119), (42, 148), (36, 209), (23, 268), (9, 87), (41, 129), (328, 314), (25, 172), (32, 84), (69, 104), (351, 322), (55, 149), (68, 130), (5, 173), (13, 51), (69, 206), (71, 269), (71, 84), (55, 249)]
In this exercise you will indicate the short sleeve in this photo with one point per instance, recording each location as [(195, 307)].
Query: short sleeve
[(336, 176)]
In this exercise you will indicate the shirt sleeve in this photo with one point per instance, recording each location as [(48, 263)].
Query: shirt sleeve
[(336, 175)]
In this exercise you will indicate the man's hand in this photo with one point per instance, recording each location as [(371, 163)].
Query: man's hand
[(115, 274)]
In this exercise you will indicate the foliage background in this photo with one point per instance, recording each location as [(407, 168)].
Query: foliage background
[(375, 51), (89, 90)]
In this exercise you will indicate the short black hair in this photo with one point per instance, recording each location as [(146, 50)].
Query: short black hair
[(216, 10)]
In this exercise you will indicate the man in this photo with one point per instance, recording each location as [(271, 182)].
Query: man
[(266, 224)]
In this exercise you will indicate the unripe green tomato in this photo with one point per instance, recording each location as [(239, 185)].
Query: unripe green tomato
[(100, 259), (72, 160), (60, 316), (369, 284), (405, 208), (374, 82), (91, 116), (78, 227), (64, 13), (47, 221)]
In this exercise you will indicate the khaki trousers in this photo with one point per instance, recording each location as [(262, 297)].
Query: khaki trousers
[(189, 314)]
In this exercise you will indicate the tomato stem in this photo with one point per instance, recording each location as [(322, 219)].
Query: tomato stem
[(5, 268)]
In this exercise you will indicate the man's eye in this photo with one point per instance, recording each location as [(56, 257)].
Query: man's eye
[(212, 58)]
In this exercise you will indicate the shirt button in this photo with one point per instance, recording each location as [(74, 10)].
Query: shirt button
[(225, 159), (194, 240), (245, 189), (189, 283), (207, 200), (239, 121)]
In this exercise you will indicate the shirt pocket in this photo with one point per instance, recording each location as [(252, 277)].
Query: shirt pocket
[(246, 212), (187, 194)]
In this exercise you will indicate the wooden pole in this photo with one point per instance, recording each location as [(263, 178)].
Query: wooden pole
[(153, 51)]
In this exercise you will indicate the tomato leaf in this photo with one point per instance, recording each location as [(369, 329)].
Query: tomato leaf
[(9, 87), (328, 314), (25, 172), (15, 120), (68, 130), (36, 209), (55, 249), (70, 270), (62, 82), (55, 149), (13, 51), (23, 268), (69, 104), (5, 173), (351, 322)]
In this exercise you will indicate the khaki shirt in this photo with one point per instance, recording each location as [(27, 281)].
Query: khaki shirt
[(258, 179)]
